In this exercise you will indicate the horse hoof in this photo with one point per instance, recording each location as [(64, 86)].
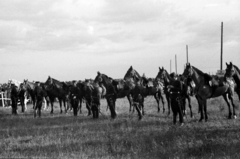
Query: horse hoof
[(181, 124), (234, 117)]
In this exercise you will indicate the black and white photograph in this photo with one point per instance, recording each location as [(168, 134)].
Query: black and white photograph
[(120, 79)]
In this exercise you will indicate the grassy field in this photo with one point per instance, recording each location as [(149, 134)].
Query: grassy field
[(65, 136)]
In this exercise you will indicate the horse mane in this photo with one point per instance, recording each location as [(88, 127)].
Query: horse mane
[(168, 75), (237, 77), (103, 75), (30, 84), (135, 72), (55, 82), (236, 68), (198, 71)]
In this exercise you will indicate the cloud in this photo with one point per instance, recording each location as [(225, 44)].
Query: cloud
[(107, 34), (132, 11)]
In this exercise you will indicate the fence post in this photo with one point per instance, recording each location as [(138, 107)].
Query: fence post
[(2, 98)]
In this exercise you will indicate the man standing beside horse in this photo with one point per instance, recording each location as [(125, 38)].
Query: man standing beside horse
[(39, 94), (176, 97), (14, 98)]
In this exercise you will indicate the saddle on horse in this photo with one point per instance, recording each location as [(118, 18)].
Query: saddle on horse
[(215, 81)]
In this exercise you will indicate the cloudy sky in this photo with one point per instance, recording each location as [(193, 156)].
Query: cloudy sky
[(73, 39)]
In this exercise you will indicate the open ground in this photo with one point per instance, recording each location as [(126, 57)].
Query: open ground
[(66, 136)]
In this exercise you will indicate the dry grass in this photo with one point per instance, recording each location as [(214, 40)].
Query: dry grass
[(65, 136)]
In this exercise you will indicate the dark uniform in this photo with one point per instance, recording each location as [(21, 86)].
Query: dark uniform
[(39, 94), (22, 97), (14, 98), (177, 99), (74, 99)]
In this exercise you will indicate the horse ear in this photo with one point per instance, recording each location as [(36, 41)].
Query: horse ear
[(162, 68), (98, 73), (227, 64), (231, 63)]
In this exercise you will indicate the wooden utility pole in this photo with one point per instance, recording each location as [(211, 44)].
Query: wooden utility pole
[(187, 53), (176, 64), (170, 66), (221, 46)]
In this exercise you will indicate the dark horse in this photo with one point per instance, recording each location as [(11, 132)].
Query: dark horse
[(128, 83), (188, 86), (92, 92), (204, 91), (22, 96), (139, 88), (132, 77), (166, 79), (232, 71), (155, 88), (111, 93), (75, 96), (29, 87), (56, 89), (188, 92)]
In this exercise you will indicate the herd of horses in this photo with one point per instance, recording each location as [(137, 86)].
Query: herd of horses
[(135, 87)]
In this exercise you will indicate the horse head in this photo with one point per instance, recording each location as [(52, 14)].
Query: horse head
[(230, 70), (53, 83), (188, 71), (132, 74), (163, 75), (102, 78)]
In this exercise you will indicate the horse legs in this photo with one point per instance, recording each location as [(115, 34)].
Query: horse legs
[(233, 105), (88, 102), (80, 106), (137, 105), (45, 103), (37, 108), (229, 107), (200, 103), (130, 102), (64, 104), (169, 103), (163, 101), (60, 103), (142, 103), (97, 111), (51, 102), (157, 99), (190, 106), (25, 102), (111, 102), (205, 109)]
